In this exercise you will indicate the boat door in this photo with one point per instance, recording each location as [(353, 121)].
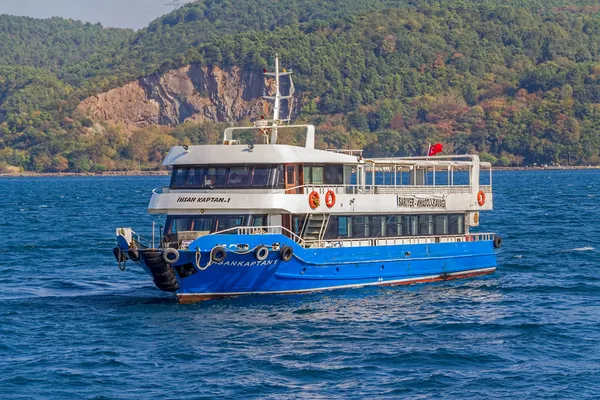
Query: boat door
[(292, 179)]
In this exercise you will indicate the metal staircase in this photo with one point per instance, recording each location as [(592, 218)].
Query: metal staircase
[(315, 226)]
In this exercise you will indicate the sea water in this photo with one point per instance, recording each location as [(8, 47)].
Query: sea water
[(73, 326)]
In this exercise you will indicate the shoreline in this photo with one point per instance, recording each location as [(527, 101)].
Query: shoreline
[(29, 174)]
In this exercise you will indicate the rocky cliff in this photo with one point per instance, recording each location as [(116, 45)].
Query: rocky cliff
[(192, 93)]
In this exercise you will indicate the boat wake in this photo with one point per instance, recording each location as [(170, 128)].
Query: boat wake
[(587, 248)]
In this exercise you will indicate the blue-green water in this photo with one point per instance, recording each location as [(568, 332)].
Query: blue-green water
[(73, 326)]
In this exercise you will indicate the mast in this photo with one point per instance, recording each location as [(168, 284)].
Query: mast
[(276, 121), (277, 102)]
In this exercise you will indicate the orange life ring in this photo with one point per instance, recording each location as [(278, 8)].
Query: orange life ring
[(314, 200), (330, 198), (481, 198)]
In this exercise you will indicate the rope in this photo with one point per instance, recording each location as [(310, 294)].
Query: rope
[(199, 255)]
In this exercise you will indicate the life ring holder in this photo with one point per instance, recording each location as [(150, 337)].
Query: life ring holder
[(481, 198), (330, 198), (313, 200)]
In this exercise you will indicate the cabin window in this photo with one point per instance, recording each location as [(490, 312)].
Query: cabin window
[(243, 176), (258, 220), (324, 175), (280, 180), (456, 224), (377, 226), (225, 222), (333, 175), (440, 224), (178, 178), (360, 227), (317, 175), (393, 226), (425, 225), (260, 176), (290, 176), (238, 176)]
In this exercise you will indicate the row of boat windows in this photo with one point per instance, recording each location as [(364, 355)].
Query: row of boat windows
[(253, 176), (211, 223), (339, 226), (263, 176), (364, 226)]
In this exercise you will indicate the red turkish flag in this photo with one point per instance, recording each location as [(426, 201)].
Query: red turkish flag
[(434, 149)]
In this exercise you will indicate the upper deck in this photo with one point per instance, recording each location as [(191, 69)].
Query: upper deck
[(278, 178), (272, 178)]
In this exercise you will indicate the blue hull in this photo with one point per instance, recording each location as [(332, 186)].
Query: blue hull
[(322, 268)]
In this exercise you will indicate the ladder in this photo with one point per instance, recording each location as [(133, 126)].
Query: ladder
[(314, 228)]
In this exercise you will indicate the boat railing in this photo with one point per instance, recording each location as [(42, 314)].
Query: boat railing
[(388, 189), (261, 230), (401, 240), (403, 190), (357, 153), (357, 242)]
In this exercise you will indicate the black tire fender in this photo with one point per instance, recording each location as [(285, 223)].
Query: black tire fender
[(497, 242), (286, 253), (261, 253), (133, 254), (218, 254), (170, 256)]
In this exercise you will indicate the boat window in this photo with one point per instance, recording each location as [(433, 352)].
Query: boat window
[(329, 174), (280, 180), (317, 175), (260, 177), (456, 224), (224, 222), (290, 175), (258, 220), (440, 224), (238, 176), (376, 226), (245, 176), (178, 223), (393, 226), (360, 227), (178, 178), (333, 175), (425, 225)]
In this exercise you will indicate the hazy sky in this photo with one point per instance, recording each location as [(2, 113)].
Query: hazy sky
[(116, 13)]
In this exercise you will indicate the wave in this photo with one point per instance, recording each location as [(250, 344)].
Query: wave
[(587, 248)]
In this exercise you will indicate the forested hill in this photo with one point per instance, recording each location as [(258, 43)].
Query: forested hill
[(517, 81), (55, 43)]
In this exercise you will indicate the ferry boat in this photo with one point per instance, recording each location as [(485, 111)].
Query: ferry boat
[(263, 217)]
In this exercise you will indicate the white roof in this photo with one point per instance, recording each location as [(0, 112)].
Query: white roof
[(261, 154)]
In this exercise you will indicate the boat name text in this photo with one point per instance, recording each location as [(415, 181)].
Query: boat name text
[(203, 200), (412, 202), (247, 263)]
